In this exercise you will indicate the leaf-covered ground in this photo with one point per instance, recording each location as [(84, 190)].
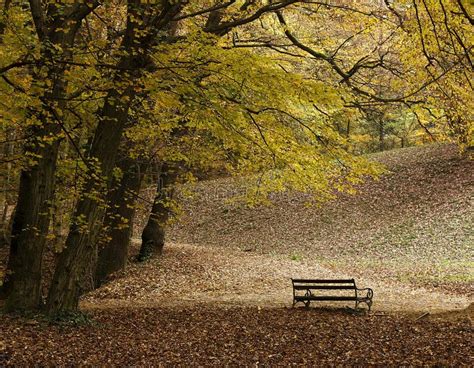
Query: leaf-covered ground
[(221, 293), (188, 274), (413, 226), (238, 336)]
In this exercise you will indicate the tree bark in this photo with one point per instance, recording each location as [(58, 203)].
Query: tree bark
[(153, 235), (113, 256)]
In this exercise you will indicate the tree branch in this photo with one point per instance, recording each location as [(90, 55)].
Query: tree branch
[(225, 27)]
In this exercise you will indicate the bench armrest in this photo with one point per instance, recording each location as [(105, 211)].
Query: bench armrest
[(370, 292)]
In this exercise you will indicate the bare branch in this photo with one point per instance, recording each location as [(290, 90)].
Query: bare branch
[(465, 12), (225, 27), (16, 64)]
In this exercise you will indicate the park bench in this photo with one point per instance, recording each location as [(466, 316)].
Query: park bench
[(304, 291)]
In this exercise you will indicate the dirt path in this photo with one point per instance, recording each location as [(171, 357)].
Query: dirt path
[(190, 274)]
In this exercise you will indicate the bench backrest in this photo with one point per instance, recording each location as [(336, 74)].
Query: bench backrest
[(322, 284)]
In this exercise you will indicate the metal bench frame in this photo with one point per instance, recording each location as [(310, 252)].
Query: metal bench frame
[(309, 285)]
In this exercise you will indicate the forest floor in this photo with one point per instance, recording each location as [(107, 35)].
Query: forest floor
[(221, 293)]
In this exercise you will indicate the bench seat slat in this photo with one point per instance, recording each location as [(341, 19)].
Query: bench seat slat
[(326, 298), (321, 281), (324, 287)]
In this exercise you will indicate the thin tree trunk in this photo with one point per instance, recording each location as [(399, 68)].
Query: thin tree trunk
[(119, 220), (3, 25), (153, 235), (7, 218), (381, 135)]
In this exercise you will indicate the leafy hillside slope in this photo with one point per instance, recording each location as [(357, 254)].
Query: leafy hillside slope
[(414, 225)]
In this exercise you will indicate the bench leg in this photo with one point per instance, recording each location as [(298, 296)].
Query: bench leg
[(368, 302)]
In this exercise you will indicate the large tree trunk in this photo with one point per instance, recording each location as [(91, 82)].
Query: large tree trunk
[(30, 222), (153, 235), (113, 256), (78, 259), (119, 220), (29, 227)]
